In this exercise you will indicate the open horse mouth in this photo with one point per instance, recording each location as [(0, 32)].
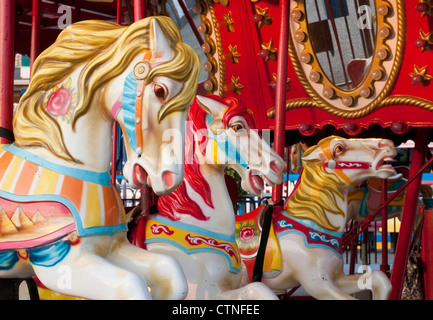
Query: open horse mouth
[(256, 181), (385, 163), (140, 178)]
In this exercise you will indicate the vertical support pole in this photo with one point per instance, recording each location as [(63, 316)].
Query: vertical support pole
[(412, 195), (280, 117), (139, 9), (427, 251), (7, 58), (148, 198), (384, 266), (280, 106), (115, 133), (36, 26)]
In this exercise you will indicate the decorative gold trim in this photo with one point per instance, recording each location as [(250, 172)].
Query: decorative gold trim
[(229, 21), (266, 18), (389, 101), (349, 98), (215, 56)]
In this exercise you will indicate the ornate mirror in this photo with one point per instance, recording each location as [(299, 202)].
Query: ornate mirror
[(347, 52)]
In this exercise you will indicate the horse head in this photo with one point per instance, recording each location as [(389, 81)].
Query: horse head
[(141, 75), (232, 140), (332, 168), (353, 160), (159, 87)]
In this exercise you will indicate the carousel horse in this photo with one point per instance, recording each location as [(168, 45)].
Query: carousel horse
[(61, 219), (307, 231), (367, 198), (196, 223), (296, 152)]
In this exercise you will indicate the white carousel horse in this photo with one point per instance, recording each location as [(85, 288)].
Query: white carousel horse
[(309, 228), (61, 218), (196, 223)]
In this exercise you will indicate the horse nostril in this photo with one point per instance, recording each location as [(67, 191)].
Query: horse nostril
[(384, 144), (274, 166), (168, 178)]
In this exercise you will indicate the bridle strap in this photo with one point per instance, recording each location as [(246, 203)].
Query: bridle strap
[(139, 101), (338, 166)]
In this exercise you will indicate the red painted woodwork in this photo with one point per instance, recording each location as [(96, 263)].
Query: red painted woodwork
[(255, 74)]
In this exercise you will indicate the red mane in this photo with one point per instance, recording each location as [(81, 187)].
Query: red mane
[(179, 202)]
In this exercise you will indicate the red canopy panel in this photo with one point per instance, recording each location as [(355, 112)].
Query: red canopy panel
[(243, 38)]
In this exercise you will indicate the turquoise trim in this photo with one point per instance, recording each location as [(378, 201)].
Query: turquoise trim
[(8, 259), (309, 245), (79, 224), (363, 207), (192, 251), (195, 229), (102, 178), (49, 255), (310, 224), (128, 106)]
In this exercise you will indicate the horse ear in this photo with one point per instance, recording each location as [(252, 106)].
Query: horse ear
[(211, 106), (160, 46), (315, 154)]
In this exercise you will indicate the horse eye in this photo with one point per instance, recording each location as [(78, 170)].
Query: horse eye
[(160, 91), (339, 149), (237, 127)]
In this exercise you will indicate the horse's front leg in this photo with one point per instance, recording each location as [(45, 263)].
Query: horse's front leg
[(83, 273), (163, 273)]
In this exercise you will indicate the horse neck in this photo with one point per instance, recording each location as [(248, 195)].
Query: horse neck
[(338, 221), (90, 141), (209, 209), (221, 217)]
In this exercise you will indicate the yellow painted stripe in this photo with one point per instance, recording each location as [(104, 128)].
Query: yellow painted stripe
[(215, 151), (47, 182), (11, 174), (93, 207)]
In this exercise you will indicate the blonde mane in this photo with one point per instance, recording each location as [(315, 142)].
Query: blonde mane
[(317, 194), (104, 50)]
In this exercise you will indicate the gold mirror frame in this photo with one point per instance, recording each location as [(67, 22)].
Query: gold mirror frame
[(378, 82)]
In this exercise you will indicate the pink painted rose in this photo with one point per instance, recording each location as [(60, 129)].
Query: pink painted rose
[(59, 103), (246, 234)]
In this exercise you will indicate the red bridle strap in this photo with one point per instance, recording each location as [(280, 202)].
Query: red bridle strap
[(338, 166), (349, 165)]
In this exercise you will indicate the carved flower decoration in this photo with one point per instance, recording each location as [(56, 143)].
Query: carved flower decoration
[(247, 235), (61, 100)]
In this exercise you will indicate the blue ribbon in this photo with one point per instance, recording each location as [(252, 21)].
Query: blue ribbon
[(128, 106)]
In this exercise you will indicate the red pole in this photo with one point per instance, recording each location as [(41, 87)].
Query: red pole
[(139, 9), (115, 133), (7, 63), (409, 210), (280, 94), (384, 266), (147, 200), (34, 46), (427, 252)]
